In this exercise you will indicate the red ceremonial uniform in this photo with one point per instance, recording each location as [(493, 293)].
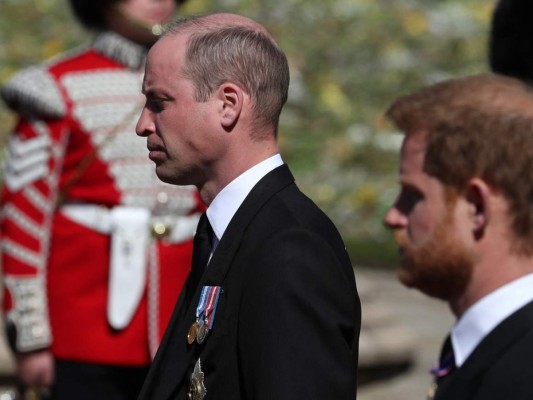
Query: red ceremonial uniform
[(95, 248)]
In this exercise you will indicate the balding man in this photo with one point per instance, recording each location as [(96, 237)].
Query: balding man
[(270, 309)]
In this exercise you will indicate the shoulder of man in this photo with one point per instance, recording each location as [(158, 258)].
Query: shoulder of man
[(34, 91)]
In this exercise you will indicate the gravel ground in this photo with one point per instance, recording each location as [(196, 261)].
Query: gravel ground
[(422, 322)]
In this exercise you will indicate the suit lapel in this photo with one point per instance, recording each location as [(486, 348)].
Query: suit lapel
[(175, 354), (463, 383), (262, 192)]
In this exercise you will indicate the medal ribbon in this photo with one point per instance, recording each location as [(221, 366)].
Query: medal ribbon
[(212, 302), (446, 366), (203, 301)]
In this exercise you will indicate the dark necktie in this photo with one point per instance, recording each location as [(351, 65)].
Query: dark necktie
[(446, 361), (445, 368), (200, 255)]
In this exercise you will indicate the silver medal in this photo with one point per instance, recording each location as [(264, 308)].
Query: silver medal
[(197, 390)]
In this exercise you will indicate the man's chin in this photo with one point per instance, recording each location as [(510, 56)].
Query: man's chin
[(405, 277), (163, 175), (422, 284), (172, 178)]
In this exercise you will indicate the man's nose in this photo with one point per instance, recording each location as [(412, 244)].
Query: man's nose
[(394, 218), (145, 124)]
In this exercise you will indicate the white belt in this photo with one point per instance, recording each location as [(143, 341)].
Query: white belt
[(130, 229), (168, 228)]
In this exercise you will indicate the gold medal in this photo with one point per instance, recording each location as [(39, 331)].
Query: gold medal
[(193, 330), (201, 333), (431, 391)]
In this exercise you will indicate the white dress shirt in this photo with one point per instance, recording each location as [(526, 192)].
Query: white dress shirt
[(227, 202), (482, 317)]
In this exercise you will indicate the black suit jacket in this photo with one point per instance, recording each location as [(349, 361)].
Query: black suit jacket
[(288, 319), (500, 368)]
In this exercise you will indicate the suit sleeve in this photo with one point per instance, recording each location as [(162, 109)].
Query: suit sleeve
[(299, 322), (32, 169)]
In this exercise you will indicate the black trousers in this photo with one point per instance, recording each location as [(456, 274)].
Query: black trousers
[(82, 381)]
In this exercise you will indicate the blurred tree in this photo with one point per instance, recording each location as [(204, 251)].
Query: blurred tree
[(349, 59)]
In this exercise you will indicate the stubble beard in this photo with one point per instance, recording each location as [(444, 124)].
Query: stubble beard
[(441, 267)]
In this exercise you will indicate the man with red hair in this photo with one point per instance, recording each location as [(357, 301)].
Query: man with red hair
[(463, 221)]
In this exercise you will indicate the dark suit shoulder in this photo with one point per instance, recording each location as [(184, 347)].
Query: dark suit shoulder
[(290, 208), (292, 221), (510, 376), (501, 366), (299, 311)]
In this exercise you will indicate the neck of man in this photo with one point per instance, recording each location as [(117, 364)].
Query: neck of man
[(234, 164), (494, 270)]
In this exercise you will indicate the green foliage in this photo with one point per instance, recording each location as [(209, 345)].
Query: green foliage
[(349, 59), (32, 31)]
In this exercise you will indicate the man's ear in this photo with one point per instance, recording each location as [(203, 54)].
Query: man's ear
[(231, 99), (478, 195)]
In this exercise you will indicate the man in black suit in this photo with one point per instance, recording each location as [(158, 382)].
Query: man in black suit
[(464, 223), (273, 311)]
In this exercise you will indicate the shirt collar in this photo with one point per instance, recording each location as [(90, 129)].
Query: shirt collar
[(226, 203), (481, 318)]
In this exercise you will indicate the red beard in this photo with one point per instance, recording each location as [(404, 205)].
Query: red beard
[(441, 267)]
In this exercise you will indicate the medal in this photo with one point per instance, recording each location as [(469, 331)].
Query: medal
[(205, 314), (431, 391), (202, 332), (197, 390), (191, 336), (209, 313), (193, 330)]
